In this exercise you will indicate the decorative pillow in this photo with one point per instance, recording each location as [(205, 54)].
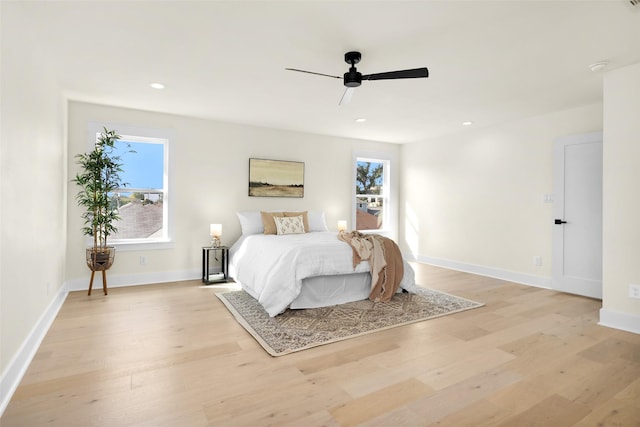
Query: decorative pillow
[(268, 222), (305, 218), (316, 221), (289, 224), (250, 222)]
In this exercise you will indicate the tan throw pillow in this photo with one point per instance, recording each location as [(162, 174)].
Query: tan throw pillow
[(268, 223), (289, 225), (305, 218)]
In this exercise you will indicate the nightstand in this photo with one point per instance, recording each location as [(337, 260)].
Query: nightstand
[(215, 264)]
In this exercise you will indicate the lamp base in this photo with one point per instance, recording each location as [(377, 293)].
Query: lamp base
[(215, 242)]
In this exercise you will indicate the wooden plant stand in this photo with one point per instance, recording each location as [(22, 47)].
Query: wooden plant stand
[(104, 281), (100, 261)]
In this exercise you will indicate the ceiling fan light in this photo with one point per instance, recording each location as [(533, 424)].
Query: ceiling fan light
[(353, 78)]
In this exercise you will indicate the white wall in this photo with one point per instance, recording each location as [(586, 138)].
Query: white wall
[(474, 201), (210, 177), (33, 203), (621, 215)]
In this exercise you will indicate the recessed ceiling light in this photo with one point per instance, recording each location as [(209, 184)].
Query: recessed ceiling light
[(598, 66), (361, 120), (157, 85), (467, 123)]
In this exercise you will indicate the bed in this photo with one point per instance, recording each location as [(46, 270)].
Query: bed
[(306, 270)]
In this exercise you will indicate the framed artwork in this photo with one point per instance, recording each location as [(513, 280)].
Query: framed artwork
[(276, 178)]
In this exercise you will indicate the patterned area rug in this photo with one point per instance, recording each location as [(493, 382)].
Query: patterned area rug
[(296, 330)]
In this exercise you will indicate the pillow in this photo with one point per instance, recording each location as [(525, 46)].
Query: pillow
[(289, 224), (316, 221), (268, 222), (250, 222), (305, 218)]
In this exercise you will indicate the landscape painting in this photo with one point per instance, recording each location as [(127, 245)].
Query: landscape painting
[(276, 178)]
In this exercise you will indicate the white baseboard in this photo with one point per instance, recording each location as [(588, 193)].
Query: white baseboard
[(623, 321), (18, 366), (612, 319), (496, 273), (117, 281)]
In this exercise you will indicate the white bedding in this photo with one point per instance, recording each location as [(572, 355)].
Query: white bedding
[(271, 267)]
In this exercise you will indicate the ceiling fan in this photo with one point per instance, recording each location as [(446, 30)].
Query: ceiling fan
[(352, 79)]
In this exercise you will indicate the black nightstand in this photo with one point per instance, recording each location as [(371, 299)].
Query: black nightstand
[(215, 264)]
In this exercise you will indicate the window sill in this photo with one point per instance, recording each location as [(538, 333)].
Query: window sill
[(143, 246)]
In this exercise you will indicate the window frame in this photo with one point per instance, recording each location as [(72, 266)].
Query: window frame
[(145, 135), (387, 220)]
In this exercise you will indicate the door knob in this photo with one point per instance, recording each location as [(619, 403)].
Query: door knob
[(559, 221)]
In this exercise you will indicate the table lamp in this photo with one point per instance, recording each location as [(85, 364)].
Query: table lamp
[(215, 230)]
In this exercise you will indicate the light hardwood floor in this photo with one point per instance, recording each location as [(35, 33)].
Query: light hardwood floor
[(172, 355)]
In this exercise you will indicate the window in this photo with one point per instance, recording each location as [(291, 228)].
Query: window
[(371, 194), (143, 204)]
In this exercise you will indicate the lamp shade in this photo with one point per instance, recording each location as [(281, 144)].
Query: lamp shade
[(215, 230), (342, 225)]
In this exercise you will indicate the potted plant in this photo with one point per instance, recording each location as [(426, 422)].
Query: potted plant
[(98, 181)]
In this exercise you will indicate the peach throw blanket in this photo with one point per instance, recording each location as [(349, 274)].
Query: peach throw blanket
[(384, 258)]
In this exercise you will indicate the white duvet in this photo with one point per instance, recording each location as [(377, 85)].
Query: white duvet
[(271, 267)]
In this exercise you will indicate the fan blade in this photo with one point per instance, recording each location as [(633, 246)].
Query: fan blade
[(346, 96), (403, 74), (311, 72)]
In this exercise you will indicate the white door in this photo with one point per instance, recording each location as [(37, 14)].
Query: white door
[(577, 209)]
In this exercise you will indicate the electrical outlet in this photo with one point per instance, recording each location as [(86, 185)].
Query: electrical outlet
[(143, 260), (634, 291), (537, 260)]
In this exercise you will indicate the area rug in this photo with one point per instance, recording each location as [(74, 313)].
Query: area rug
[(296, 330)]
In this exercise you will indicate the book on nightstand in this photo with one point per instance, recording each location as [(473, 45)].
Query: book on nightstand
[(216, 276)]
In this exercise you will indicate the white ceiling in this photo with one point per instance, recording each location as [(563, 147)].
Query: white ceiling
[(489, 61)]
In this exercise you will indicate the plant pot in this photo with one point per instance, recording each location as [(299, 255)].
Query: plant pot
[(100, 259)]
